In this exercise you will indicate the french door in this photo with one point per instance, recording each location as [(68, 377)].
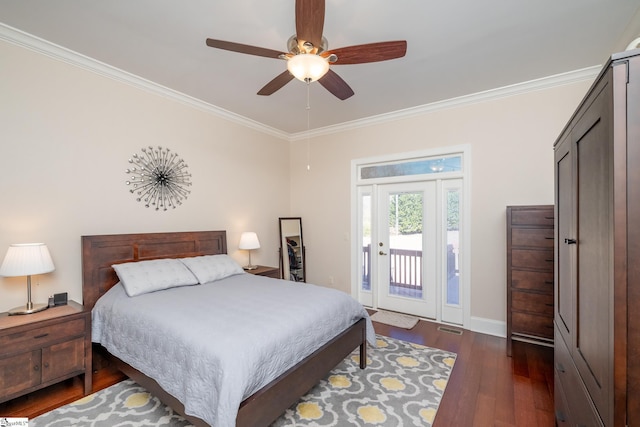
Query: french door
[(409, 248), (406, 248)]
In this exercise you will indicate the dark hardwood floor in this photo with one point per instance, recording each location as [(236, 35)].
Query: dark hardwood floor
[(486, 388)]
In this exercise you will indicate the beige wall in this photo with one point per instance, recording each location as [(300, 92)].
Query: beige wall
[(65, 137), (511, 143)]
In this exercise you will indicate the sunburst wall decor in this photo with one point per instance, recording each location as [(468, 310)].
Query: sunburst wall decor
[(159, 178)]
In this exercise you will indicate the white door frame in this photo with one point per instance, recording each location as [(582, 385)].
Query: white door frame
[(368, 186)]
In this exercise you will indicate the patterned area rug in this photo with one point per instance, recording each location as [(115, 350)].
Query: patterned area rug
[(401, 386)]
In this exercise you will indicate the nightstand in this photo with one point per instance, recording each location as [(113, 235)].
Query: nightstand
[(41, 349), (273, 272)]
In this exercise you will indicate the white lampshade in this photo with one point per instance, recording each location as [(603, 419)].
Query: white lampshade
[(26, 259), (249, 240), (307, 67)]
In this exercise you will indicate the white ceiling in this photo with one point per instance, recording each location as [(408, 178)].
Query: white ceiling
[(455, 47)]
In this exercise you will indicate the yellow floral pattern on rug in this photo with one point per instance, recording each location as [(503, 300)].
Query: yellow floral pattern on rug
[(137, 400), (401, 386)]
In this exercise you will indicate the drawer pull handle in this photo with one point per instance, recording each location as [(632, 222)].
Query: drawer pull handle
[(549, 304), (36, 367), (548, 282), (548, 238), (40, 336), (560, 417), (46, 364), (570, 241), (560, 367), (548, 217), (548, 260)]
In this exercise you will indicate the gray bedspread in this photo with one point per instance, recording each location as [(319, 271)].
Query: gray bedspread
[(213, 345)]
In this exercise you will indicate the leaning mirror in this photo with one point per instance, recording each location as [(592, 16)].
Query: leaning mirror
[(292, 259)]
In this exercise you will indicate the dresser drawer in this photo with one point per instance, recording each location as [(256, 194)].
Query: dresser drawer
[(532, 217), (532, 259), (532, 324), (532, 237), (532, 280), (38, 336), (532, 302)]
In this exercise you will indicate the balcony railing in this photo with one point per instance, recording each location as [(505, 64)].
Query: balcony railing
[(405, 271)]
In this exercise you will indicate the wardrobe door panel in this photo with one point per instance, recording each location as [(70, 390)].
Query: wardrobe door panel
[(593, 346), (565, 238)]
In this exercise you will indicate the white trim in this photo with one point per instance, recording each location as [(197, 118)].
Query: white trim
[(44, 47), (584, 74), (487, 326), (28, 41), (464, 174)]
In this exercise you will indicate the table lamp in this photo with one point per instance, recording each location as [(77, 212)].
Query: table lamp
[(27, 259), (249, 241)]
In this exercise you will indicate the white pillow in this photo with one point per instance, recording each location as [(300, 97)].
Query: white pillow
[(208, 268), (154, 275)]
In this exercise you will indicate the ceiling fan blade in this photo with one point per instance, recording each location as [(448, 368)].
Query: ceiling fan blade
[(334, 84), (370, 52), (310, 21), (277, 83), (244, 48)]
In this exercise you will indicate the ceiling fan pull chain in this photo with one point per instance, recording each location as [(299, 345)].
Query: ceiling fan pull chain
[(308, 128)]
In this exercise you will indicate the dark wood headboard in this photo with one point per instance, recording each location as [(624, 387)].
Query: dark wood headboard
[(100, 252)]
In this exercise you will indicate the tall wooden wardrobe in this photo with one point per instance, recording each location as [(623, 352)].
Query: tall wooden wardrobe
[(597, 250)]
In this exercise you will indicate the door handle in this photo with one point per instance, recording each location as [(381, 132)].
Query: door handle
[(381, 253), (570, 241)]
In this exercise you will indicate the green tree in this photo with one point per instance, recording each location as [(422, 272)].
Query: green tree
[(453, 210), (405, 213)]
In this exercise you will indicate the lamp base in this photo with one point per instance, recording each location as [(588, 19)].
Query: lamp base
[(25, 309), (250, 267)]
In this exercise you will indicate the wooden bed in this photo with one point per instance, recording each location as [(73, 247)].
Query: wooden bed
[(266, 405)]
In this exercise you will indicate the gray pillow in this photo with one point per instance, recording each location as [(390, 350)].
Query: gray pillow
[(154, 275)]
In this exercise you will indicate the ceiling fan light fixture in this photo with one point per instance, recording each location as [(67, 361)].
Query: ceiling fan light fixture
[(307, 67)]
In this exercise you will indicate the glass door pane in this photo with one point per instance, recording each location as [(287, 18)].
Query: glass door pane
[(405, 243), (406, 248)]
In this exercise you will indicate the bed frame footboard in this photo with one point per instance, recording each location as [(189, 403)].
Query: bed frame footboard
[(100, 252)]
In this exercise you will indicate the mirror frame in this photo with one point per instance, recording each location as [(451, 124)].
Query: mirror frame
[(284, 250)]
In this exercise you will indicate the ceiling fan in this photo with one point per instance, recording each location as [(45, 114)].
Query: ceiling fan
[(308, 58)]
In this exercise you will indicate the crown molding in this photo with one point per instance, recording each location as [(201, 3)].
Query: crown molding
[(44, 47), (52, 50), (585, 74)]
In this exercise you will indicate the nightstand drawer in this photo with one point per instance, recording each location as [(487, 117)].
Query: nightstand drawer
[(39, 336)]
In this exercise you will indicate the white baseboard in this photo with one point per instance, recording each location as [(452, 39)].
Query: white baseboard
[(487, 326)]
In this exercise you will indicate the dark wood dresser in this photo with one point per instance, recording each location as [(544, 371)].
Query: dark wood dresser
[(530, 274)]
